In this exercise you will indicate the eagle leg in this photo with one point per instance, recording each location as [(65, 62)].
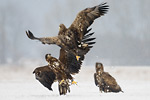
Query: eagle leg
[(62, 81), (64, 87), (74, 82)]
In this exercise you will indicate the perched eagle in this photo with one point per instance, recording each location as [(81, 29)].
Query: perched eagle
[(74, 38), (104, 80)]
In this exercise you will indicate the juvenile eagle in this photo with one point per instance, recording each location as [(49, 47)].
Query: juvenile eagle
[(47, 76), (59, 70), (104, 80), (74, 38)]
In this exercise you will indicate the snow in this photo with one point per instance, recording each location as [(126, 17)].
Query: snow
[(18, 83)]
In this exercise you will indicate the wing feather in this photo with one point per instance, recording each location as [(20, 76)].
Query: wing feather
[(95, 79), (44, 40), (45, 76), (69, 59), (86, 17), (108, 79), (88, 35)]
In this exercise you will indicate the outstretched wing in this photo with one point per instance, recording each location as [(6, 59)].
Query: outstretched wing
[(44, 40), (69, 59), (45, 76), (86, 17), (85, 44)]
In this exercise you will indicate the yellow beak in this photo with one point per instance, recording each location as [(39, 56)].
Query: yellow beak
[(77, 57)]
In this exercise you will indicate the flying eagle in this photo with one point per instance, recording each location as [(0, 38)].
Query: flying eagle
[(73, 39), (60, 70), (104, 80)]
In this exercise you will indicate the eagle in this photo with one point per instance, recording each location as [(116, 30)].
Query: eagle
[(47, 76), (74, 43), (105, 81), (73, 39), (60, 70)]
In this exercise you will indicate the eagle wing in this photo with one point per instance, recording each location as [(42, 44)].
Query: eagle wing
[(86, 17), (69, 60), (85, 45), (44, 40), (45, 76), (95, 79), (108, 79)]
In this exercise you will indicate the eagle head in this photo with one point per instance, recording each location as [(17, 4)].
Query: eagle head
[(62, 28), (99, 68), (48, 56)]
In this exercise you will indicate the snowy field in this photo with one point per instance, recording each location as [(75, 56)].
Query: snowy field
[(18, 83)]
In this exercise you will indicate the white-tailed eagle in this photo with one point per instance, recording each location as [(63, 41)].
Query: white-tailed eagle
[(104, 80), (72, 39)]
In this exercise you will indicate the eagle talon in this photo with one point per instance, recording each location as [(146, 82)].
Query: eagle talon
[(61, 82), (74, 82)]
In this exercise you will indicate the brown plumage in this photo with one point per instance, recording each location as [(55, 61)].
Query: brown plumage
[(105, 81), (75, 40), (58, 70), (67, 63), (72, 65), (76, 36), (45, 75)]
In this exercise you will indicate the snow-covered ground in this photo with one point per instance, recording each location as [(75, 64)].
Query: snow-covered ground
[(18, 83)]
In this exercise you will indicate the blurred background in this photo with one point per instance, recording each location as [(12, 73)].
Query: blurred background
[(122, 35)]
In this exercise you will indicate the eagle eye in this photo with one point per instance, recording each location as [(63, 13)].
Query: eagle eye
[(38, 73)]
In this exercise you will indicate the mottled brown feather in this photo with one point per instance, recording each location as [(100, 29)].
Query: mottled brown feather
[(45, 75), (105, 81), (70, 38), (86, 17)]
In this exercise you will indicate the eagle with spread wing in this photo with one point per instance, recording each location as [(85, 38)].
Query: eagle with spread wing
[(72, 39), (75, 42), (46, 75), (59, 70), (104, 80), (62, 69)]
